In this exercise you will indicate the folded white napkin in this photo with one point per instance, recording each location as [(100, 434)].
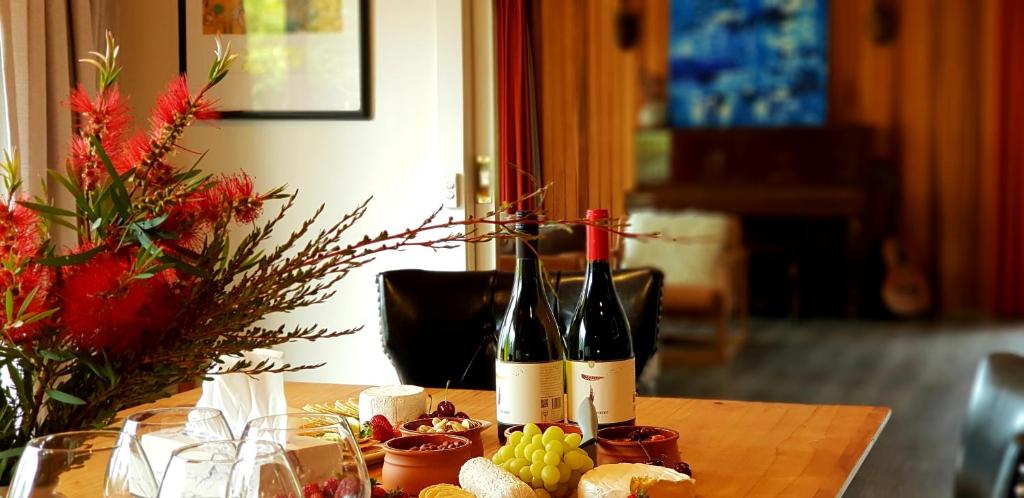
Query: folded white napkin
[(243, 397)]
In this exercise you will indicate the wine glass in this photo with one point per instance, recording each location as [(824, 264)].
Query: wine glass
[(321, 449), (160, 431), (83, 464), (229, 469)]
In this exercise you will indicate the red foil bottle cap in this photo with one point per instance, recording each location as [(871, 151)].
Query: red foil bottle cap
[(597, 238)]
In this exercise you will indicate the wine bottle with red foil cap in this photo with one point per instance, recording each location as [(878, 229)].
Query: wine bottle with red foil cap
[(599, 345), (529, 369)]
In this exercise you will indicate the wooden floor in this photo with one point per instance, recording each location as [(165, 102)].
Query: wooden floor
[(922, 371)]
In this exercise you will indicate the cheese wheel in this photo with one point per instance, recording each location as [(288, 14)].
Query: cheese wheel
[(397, 403), (613, 481), (484, 479), (445, 491)]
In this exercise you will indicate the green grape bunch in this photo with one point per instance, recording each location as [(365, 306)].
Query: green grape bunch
[(550, 462)]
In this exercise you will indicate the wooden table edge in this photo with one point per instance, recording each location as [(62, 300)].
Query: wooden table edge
[(867, 450)]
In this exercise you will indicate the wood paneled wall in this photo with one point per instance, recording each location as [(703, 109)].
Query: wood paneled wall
[(927, 93), (586, 96)]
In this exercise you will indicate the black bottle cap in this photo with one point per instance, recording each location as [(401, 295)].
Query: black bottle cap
[(526, 223)]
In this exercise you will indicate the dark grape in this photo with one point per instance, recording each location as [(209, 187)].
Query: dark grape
[(657, 462), (683, 468), (461, 415)]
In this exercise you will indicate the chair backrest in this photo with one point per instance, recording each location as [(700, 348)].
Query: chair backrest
[(438, 327), (995, 417)]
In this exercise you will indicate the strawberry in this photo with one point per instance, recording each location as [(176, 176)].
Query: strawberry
[(348, 486), (382, 428), (376, 491), (312, 491), (330, 486)]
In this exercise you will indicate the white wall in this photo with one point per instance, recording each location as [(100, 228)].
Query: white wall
[(400, 157)]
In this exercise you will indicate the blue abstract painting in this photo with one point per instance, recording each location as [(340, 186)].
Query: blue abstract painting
[(748, 63)]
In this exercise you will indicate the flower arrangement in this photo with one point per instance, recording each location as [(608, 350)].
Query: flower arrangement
[(154, 292)]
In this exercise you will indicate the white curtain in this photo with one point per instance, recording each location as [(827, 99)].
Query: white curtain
[(42, 41)]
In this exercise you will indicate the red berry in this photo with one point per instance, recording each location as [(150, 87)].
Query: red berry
[(382, 428), (378, 492), (446, 409), (383, 434), (312, 491), (330, 486), (348, 487)]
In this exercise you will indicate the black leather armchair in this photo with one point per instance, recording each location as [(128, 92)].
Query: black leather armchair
[(995, 418), (442, 326)]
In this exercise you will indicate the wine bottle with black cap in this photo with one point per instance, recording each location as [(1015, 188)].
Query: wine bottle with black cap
[(529, 368), (599, 345)]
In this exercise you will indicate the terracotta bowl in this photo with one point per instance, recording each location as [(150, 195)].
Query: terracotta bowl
[(413, 470), (473, 433), (613, 445), (567, 428)]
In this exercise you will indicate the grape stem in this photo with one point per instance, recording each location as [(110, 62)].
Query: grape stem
[(646, 454)]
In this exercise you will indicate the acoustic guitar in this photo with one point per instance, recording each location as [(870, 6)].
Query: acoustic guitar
[(905, 290)]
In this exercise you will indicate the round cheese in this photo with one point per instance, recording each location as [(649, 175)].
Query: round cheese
[(445, 491), (613, 480), (397, 403), (484, 479)]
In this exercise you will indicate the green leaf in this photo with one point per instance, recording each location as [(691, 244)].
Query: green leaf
[(40, 316), (47, 209), (55, 356), (63, 397), (119, 194), (9, 304), (150, 223), (71, 259), (11, 452), (27, 301)]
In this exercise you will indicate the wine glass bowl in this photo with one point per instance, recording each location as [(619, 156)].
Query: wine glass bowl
[(232, 469), (320, 448), (160, 431), (83, 464)]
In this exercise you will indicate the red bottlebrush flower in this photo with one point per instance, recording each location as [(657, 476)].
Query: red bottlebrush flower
[(36, 278), (237, 194), (19, 230), (105, 117), (134, 154), (176, 104), (105, 308)]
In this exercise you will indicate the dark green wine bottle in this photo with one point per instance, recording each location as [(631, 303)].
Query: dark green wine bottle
[(599, 345)]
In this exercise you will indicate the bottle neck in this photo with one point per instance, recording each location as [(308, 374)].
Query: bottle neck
[(597, 244), (527, 277)]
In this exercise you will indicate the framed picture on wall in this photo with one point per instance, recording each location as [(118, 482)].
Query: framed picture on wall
[(299, 59)]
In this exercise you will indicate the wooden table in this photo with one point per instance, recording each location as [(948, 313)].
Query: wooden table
[(736, 448)]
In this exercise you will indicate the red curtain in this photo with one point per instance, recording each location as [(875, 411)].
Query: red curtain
[(517, 137), (1008, 246)]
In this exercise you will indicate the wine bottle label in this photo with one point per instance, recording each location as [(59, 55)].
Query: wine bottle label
[(611, 386), (529, 392)]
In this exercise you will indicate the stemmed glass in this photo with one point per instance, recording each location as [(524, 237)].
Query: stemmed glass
[(321, 449), (83, 464), (229, 469), (160, 431)]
